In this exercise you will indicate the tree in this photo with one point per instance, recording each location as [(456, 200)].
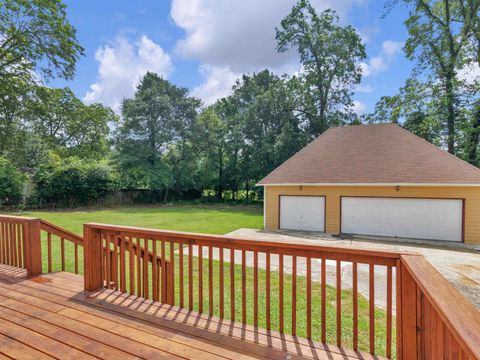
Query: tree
[(68, 126), (415, 108), (11, 183), (330, 56), (437, 42), (35, 35), (160, 115)]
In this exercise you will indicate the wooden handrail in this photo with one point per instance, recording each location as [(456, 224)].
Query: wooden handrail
[(377, 257), (60, 232), (460, 317)]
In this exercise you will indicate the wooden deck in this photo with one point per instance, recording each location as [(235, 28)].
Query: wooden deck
[(50, 316)]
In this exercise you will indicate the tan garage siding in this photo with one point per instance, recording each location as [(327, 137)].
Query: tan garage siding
[(471, 195)]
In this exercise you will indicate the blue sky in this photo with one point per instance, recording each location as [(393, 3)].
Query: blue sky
[(205, 45)]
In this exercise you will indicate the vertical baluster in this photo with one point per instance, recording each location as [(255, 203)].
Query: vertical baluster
[(389, 312), (172, 273), (280, 292), (210, 280), (146, 289), (232, 284), (371, 295), (131, 266), (190, 277), (154, 271), (180, 274), (222, 288), (244, 288), (7, 245), (12, 247), (294, 295), (62, 250), (164, 271), (108, 260), (139, 266), (104, 261), (324, 300), (309, 298), (76, 257), (255, 288), (123, 272), (22, 244), (355, 305), (49, 252), (339, 302), (159, 278), (14, 237), (2, 243), (267, 290), (115, 262), (200, 278), (19, 248)]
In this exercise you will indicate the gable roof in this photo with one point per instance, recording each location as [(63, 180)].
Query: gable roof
[(372, 154)]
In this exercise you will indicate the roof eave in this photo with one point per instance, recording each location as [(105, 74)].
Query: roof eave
[(368, 184)]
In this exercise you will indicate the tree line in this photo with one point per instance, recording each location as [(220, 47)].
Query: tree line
[(167, 142)]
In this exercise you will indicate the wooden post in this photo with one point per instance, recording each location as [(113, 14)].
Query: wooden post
[(32, 247), (92, 258), (166, 279), (409, 328)]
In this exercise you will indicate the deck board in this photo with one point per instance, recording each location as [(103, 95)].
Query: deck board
[(50, 316)]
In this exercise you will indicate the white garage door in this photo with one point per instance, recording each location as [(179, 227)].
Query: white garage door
[(302, 213), (435, 219)]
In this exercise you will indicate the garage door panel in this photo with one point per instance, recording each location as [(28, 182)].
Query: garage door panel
[(436, 219), (302, 213)]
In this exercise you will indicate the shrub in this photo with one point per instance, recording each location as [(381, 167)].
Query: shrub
[(71, 182), (11, 183)]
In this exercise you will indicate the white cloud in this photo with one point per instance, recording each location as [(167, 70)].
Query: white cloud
[(364, 88), (358, 107), (238, 37), (121, 65), (469, 74), (218, 82), (381, 62)]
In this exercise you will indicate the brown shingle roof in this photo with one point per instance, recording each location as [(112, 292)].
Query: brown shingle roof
[(372, 154)]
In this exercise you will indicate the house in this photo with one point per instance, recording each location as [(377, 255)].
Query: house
[(376, 180)]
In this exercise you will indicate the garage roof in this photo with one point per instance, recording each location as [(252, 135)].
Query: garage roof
[(372, 154)]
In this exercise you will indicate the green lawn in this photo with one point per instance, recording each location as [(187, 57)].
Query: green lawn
[(204, 219), (220, 220)]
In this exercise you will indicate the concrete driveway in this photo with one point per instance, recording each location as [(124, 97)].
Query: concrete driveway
[(460, 265)]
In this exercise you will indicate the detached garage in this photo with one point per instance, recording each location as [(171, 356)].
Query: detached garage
[(375, 180)]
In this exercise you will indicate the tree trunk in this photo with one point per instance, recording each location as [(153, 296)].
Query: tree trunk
[(220, 176), (474, 136), (450, 97)]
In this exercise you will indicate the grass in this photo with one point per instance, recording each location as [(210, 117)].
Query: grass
[(220, 220), (203, 219)]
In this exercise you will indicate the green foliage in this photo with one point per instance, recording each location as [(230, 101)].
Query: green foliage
[(11, 183), (68, 126), (152, 148), (35, 35), (330, 55), (414, 108), (71, 182)]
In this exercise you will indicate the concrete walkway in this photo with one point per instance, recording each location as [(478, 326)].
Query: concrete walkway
[(461, 266)]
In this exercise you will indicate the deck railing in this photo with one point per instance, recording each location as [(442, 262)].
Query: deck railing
[(330, 294), (233, 287), (437, 321)]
